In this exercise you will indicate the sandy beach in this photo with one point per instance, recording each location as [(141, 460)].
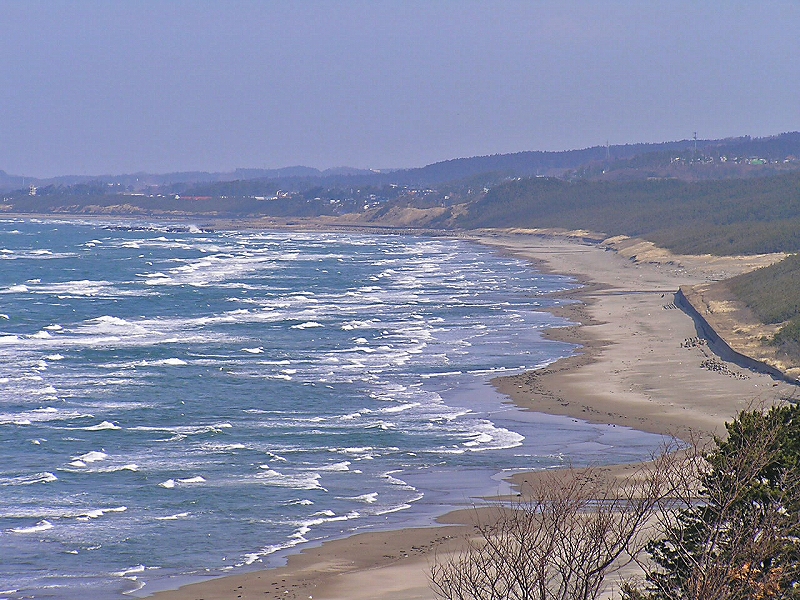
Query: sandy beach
[(641, 365)]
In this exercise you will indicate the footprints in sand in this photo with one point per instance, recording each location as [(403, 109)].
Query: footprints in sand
[(289, 591), (303, 582), (420, 549)]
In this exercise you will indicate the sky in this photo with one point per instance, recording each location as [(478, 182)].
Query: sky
[(91, 87)]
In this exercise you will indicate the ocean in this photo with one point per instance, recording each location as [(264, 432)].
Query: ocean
[(177, 404)]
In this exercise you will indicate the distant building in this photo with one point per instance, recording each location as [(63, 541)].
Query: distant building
[(32, 190)]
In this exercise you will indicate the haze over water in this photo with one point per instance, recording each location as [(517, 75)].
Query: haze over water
[(185, 403)]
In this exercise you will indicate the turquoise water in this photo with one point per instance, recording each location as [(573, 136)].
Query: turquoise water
[(178, 403)]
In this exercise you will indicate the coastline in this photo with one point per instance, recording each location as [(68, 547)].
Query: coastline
[(641, 365)]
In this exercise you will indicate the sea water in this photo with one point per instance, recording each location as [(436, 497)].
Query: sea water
[(177, 403)]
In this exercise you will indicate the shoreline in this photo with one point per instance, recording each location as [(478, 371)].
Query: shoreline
[(640, 365), (643, 363)]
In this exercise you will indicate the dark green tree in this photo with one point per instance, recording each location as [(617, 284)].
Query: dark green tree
[(733, 530)]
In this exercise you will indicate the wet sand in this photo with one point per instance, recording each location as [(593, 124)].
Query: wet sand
[(641, 365)]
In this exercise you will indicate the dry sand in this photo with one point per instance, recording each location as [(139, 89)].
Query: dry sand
[(641, 366)]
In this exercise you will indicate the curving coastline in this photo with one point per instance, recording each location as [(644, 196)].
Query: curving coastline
[(641, 365)]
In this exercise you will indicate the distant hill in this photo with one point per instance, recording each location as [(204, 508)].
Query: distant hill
[(628, 161), (528, 164), (140, 181), (537, 163), (10, 182)]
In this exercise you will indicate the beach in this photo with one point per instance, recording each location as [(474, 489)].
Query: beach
[(642, 365)]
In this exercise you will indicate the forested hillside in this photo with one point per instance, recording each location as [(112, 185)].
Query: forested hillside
[(720, 217), (773, 293)]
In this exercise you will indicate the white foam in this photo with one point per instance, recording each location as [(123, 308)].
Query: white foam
[(42, 525), (340, 466), (215, 447), (487, 436), (370, 498), (364, 349), (99, 512), (299, 502), (441, 374), (84, 289), (281, 376), (307, 325), (110, 325), (182, 431), (400, 408), (302, 481), (389, 477), (393, 509), (17, 289), (49, 390), (258, 350), (91, 457), (171, 362), (43, 477), (130, 571), (164, 280), (129, 467), (174, 517), (196, 479), (168, 484), (356, 450), (305, 526), (479, 438), (104, 426)]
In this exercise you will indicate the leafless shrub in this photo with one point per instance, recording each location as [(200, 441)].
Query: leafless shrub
[(561, 542), (719, 520)]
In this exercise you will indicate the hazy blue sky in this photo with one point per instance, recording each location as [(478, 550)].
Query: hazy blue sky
[(94, 87)]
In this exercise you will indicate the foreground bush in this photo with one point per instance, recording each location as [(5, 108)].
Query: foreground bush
[(705, 523), (739, 537)]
